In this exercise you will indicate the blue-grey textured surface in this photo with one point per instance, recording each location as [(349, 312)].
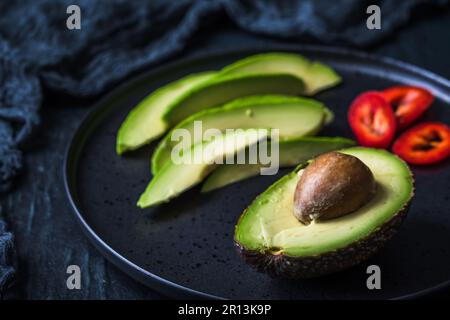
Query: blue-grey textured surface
[(119, 38), (6, 251)]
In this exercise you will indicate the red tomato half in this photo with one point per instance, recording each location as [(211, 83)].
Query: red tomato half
[(425, 143), (408, 103), (372, 120)]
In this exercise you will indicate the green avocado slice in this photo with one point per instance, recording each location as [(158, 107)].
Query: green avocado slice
[(293, 116), (291, 153), (315, 75), (258, 74), (144, 123), (269, 227), (174, 178), (222, 89)]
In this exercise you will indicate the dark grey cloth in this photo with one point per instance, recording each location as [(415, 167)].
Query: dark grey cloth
[(119, 37), (6, 252)]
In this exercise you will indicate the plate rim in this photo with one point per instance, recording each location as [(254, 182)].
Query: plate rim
[(151, 280)]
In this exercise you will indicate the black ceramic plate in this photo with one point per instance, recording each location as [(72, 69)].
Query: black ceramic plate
[(185, 248)]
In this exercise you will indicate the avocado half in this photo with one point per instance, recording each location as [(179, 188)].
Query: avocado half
[(270, 238)]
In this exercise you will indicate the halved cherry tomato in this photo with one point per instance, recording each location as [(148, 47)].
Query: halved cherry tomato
[(372, 120), (425, 143), (408, 102)]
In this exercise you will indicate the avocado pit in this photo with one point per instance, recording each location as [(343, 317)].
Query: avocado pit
[(333, 185)]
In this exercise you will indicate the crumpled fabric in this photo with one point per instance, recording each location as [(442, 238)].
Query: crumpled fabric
[(6, 258), (119, 37)]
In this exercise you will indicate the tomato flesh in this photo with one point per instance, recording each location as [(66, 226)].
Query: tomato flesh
[(408, 103), (425, 143), (372, 120)]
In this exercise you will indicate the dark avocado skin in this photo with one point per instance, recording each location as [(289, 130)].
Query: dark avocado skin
[(284, 266)]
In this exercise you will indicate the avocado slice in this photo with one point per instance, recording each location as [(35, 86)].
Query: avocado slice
[(315, 75), (257, 74), (291, 152), (174, 178), (144, 123), (222, 89), (271, 239), (294, 116)]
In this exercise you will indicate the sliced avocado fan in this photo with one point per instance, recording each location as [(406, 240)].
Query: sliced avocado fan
[(291, 153), (144, 123), (258, 74), (293, 116), (271, 239), (176, 177)]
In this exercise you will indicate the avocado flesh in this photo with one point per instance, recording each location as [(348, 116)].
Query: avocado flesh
[(147, 121), (222, 89), (268, 226), (293, 116), (174, 178), (315, 75), (291, 152), (144, 123)]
